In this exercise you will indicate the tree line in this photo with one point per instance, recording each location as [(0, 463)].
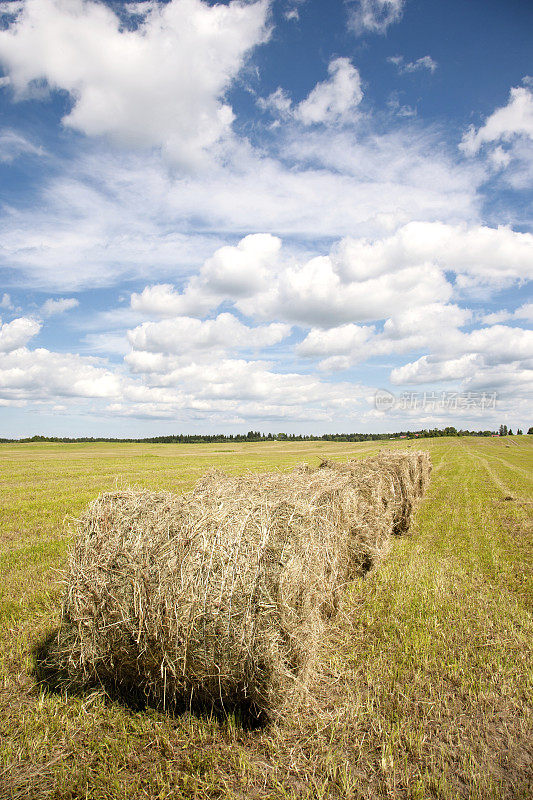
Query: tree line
[(257, 436)]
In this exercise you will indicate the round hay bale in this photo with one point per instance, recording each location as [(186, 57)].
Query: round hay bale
[(218, 598)]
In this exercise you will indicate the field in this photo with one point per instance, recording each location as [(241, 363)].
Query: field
[(425, 685)]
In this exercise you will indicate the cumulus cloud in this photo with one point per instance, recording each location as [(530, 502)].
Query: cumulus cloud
[(175, 386), (237, 388), (335, 341), (524, 312), (497, 256), (162, 84), (17, 333), (432, 370), (374, 16), (511, 382), (52, 307), (231, 272), (243, 270), (505, 124), (333, 100), (429, 324), (359, 280), (162, 300), (6, 302), (41, 374), (409, 329), (505, 140), (183, 334), (315, 293), (465, 353)]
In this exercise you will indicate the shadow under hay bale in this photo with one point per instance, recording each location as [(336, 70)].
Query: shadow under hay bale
[(217, 599), (50, 676)]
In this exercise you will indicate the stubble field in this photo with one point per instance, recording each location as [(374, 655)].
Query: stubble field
[(425, 686)]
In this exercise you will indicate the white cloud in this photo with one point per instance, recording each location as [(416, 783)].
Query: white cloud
[(457, 356), (108, 343), (162, 300), (505, 124), (513, 382), (500, 158), (427, 323), (13, 145), (139, 9), (183, 334), (184, 389), (111, 217), (499, 344), (497, 256), (425, 62), (319, 291), (160, 85), (5, 302), (408, 329), (360, 280), (336, 341), (11, 7), (430, 370), (88, 232), (398, 108), (278, 102), (41, 374), (334, 100), (51, 307), (524, 312), (292, 11), (243, 270), (239, 388), (505, 140), (315, 294), (234, 272), (374, 16), (17, 333)]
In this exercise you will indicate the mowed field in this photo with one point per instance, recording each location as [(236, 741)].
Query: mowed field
[(425, 681)]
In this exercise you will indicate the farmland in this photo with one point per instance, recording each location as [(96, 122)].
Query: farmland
[(425, 685)]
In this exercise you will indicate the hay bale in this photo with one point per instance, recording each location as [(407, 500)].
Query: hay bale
[(219, 598)]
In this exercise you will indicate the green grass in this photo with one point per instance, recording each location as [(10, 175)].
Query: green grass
[(425, 684)]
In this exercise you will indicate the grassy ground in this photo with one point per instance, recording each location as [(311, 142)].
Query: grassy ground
[(425, 685)]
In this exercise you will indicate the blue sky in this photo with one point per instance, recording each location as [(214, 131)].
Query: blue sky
[(224, 216)]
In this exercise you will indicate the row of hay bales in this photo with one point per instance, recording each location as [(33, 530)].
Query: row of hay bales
[(218, 598)]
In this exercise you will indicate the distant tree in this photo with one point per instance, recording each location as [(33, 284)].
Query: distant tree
[(503, 430), (530, 431), (519, 432), (510, 432), (450, 431)]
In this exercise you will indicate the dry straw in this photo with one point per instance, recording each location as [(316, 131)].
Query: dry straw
[(218, 598)]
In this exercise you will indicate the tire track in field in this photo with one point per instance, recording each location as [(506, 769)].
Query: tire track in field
[(493, 476), (514, 467)]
